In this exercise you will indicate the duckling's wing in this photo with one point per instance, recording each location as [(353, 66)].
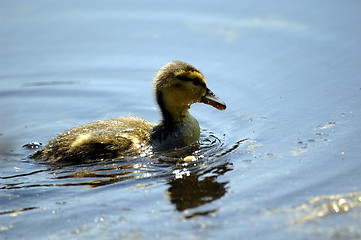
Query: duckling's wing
[(98, 140), (83, 147)]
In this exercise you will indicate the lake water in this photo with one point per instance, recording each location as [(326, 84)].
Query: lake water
[(283, 161)]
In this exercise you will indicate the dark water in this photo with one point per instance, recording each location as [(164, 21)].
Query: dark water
[(283, 161)]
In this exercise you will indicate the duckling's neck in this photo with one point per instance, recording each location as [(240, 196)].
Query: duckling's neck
[(177, 130), (175, 114)]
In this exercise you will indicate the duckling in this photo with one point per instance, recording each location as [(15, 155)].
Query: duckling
[(177, 86)]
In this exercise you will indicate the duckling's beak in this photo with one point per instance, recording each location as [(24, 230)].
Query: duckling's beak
[(211, 99)]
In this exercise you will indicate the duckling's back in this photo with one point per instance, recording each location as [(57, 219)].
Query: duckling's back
[(99, 140)]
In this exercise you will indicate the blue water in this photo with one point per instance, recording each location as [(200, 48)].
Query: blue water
[(283, 161)]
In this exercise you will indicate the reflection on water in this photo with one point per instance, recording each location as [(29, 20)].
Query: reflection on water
[(95, 175), (322, 206), (50, 83), (320, 213), (16, 212), (318, 216), (195, 190), (229, 30)]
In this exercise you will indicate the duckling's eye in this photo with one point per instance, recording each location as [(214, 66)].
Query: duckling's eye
[(196, 81)]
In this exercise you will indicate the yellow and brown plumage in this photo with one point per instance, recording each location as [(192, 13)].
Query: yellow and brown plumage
[(177, 86)]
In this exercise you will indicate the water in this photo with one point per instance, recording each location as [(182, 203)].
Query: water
[(282, 161)]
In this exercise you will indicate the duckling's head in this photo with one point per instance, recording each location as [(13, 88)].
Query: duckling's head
[(177, 86)]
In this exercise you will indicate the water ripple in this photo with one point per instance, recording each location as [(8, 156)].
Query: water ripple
[(209, 157)]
